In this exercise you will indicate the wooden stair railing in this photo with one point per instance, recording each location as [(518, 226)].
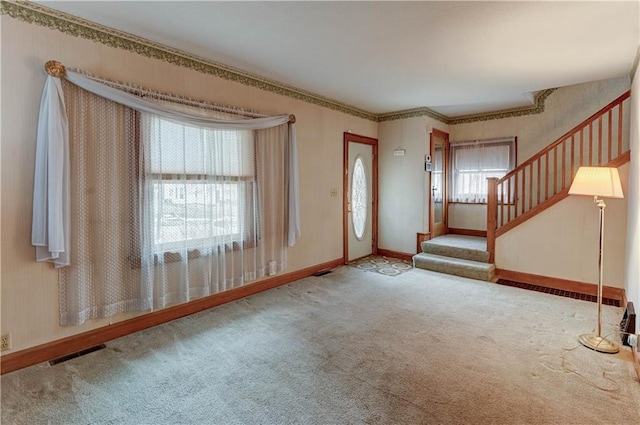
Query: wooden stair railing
[(545, 178)]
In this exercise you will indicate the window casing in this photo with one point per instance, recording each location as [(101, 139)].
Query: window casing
[(473, 163)]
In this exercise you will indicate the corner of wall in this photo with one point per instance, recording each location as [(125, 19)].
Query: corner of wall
[(632, 260)]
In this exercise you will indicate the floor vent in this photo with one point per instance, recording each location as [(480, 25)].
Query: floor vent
[(321, 273), (560, 292), (76, 354)]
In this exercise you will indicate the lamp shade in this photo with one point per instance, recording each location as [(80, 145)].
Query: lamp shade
[(597, 181)]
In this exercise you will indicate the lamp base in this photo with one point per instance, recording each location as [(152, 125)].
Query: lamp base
[(598, 343)]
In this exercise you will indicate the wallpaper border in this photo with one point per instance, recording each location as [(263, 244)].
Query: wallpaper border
[(33, 13), (536, 108), (40, 15)]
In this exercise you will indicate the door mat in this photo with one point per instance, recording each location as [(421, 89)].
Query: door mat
[(387, 266)]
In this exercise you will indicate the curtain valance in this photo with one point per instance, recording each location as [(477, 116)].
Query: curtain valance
[(169, 112), (50, 225)]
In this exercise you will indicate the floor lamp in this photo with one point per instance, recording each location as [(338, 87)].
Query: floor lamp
[(598, 182)]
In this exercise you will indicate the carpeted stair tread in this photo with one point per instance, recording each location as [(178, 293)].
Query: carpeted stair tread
[(464, 253), (455, 266)]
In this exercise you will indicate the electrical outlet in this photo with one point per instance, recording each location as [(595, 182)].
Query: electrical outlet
[(5, 342), (633, 340)]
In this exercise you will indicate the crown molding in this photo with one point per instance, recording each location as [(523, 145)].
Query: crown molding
[(536, 108), (411, 113), (33, 13), (37, 14)]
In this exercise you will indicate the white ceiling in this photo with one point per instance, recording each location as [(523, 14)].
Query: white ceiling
[(453, 57)]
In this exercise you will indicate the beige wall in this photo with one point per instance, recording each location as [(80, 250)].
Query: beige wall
[(632, 263), (403, 183), (29, 290), (563, 241), (564, 109), (468, 216)]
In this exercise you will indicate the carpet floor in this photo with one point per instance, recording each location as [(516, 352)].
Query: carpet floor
[(349, 347)]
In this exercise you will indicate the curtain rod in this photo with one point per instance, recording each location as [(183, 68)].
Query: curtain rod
[(58, 70)]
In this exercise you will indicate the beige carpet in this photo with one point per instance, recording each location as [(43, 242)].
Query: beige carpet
[(461, 241), (350, 347)]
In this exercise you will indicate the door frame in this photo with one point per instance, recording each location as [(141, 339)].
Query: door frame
[(445, 182), (355, 138)]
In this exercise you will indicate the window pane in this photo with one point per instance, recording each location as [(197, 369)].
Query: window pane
[(359, 198), (201, 182), (181, 149), (189, 214), (436, 177)]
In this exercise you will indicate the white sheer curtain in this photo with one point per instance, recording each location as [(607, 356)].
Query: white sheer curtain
[(473, 162), (213, 203), (103, 275), (49, 230), (51, 185), (167, 203)]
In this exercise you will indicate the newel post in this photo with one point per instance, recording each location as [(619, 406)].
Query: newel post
[(492, 215)]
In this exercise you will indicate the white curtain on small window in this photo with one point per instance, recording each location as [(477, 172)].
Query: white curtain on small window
[(156, 203), (473, 163)]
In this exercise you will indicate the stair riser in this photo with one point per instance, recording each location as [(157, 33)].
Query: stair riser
[(452, 269), (449, 251)]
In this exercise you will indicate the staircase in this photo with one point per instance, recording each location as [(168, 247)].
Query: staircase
[(535, 185), (544, 179), (458, 255)]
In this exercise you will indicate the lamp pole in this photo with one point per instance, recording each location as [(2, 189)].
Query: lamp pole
[(601, 206), (597, 342)]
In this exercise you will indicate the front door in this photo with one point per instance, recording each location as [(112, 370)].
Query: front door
[(360, 187), (438, 192)]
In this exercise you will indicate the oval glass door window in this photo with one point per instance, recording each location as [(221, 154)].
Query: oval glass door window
[(359, 198)]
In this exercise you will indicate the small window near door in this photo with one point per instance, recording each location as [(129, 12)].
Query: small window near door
[(472, 163), (359, 198)]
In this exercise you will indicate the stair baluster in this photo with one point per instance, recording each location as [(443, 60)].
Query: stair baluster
[(554, 171)]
